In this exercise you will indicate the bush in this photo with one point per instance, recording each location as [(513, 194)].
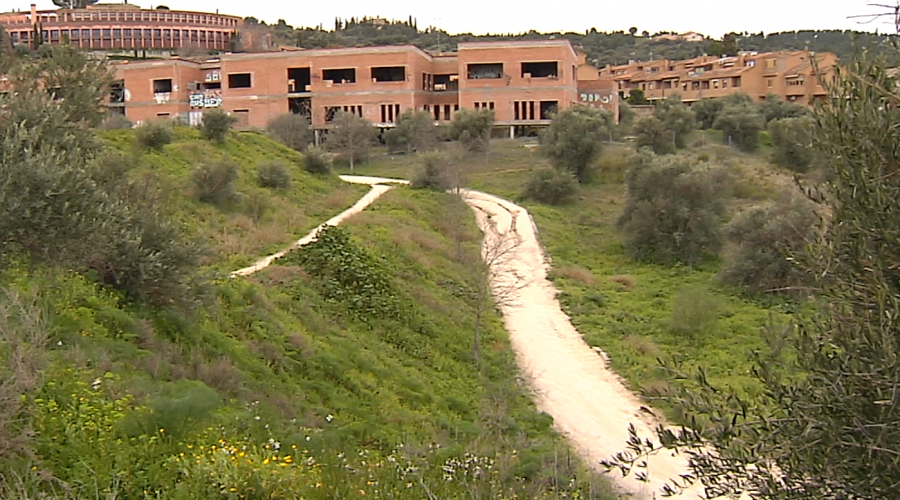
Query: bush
[(214, 182), (764, 240), (574, 139), (674, 209), (273, 175), (256, 206), (792, 142), (472, 128), (550, 186), (651, 133), (706, 111), (740, 124), (432, 174), (115, 121), (415, 131), (694, 313), (352, 136), (216, 124), (292, 130), (154, 134), (316, 160), (678, 120)]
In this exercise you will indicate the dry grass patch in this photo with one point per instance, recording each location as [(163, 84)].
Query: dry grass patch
[(577, 273), (626, 283), (641, 344)]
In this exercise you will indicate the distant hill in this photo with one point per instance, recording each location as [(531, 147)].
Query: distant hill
[(603, 48)]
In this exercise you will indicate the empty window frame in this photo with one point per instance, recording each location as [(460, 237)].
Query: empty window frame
[(340, 75), (484, 105), (548, 69), (162, 85), (298, 80), (389, 113), (484, 71), (446, 83), (239, 81), (548, 109), (389, 74), (523, 110)]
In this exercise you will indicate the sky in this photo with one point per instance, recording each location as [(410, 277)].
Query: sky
[(710, 17)]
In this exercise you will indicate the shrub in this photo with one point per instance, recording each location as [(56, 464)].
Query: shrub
[(764, 240), (292, 130), (352, 136), (472, 128), (706, 111), (273, 175), (256, 206), (651, 133), (776, 108), (550, 186), (115, 121), (740, 124), (574, 140), (673, 209), (214, 182), (216, 124), (678, 120), (792, 142), (154, 134), (694, 313), (433, 173), (415, 131), (316, 160)]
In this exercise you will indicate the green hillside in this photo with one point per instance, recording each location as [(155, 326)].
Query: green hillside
[(295, 383)]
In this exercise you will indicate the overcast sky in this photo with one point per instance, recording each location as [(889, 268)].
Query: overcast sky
[(710, 17)]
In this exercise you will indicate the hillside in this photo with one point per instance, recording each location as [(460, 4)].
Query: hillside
[(296, 383)]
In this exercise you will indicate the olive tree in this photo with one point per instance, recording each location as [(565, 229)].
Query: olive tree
[(351, 136), (824, 424), (792, 142), (574, 139), (674, 209), (472, 128), (415, 131)]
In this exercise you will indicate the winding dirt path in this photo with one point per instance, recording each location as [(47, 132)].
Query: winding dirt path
[(570, 381)]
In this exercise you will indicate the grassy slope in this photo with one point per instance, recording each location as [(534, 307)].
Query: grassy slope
[(235, 234), (629, 321), (368, 406)]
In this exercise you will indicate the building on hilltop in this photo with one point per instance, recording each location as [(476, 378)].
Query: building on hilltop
[(523, 82), (122, 27), (794, 76)]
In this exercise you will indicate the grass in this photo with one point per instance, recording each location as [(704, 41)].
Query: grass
[(626, 307), (241, 231), (278, 387)]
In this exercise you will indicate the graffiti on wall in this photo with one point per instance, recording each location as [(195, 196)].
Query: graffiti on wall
[(595, 97), (208, 99)]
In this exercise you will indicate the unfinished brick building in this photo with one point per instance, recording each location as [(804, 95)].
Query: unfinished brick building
[(523, 82)]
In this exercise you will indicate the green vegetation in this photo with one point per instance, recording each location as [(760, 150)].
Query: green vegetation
[(132, 367), (273, 175), (550, 186), (574, 140), (154, 135), (292, 130), (472, 128), (351, 136), (216, 124), (415, 131)]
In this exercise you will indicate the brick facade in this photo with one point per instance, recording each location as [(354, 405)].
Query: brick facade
[(523, 82)]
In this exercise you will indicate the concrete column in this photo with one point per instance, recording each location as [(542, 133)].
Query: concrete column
[(512, 131)]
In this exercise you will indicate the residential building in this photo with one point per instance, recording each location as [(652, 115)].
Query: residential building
[(792, 75), (523, 82), (122, 27)]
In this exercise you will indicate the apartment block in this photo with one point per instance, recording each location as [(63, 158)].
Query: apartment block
[(523, 82), (792, 75)]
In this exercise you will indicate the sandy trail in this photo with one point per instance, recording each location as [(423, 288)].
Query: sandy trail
[(588, 402), (379, 187)]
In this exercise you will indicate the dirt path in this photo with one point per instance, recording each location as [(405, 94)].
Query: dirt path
[(588, 402), (379, 187)]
